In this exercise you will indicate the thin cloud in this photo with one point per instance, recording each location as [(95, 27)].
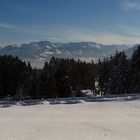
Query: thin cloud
[(128, 5), (34, 30), (6, 26), (63, 33), (108, 38), (77, 34), (130, 30)]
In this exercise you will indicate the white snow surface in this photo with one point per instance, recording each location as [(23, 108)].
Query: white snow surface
[(115, 120)]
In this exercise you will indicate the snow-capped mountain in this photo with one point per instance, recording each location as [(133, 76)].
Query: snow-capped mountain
[(39, 52)]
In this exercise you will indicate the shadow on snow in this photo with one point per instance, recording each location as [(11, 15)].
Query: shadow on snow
[(67, 101)]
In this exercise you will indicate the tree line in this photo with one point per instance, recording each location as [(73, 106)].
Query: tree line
[(61, 77)]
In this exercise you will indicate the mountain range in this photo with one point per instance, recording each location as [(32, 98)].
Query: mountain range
[(39, 52)]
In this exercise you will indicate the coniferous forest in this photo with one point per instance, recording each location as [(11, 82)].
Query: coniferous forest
[(62, 78)]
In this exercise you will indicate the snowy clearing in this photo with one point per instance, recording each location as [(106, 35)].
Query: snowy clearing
[(115, 120)]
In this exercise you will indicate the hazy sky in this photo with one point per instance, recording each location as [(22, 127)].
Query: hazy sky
[(102, 21)]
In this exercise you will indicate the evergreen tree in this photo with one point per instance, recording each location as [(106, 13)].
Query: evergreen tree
[(134, 81), (119, 73)]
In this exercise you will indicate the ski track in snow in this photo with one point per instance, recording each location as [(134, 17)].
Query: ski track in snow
[(84, 121)]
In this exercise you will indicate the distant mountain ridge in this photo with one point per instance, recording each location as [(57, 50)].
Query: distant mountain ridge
[(39, 52)]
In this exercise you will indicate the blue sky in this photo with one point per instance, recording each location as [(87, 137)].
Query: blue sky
[(102, 21)]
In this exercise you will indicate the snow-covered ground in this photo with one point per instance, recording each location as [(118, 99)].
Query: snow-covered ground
[(83, 120)]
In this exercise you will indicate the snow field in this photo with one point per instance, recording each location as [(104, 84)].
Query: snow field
[(116, 120)]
